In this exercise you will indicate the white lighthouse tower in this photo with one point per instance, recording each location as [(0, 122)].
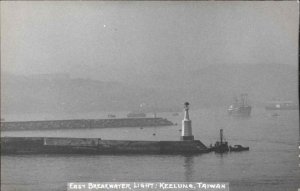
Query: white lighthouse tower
[(186, 131)]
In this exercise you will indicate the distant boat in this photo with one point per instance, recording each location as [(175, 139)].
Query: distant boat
[(281, 105), (175, 114), (275, 115), (240, 107), (111, 116), (237, 148), (136, 115)]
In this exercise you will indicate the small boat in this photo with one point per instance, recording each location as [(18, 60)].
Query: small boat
[(111, 116), (237, 148), (281, 105), (220, 146), (275, 115), (240, 107)]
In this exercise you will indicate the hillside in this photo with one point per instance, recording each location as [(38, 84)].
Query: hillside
[(212, 85)]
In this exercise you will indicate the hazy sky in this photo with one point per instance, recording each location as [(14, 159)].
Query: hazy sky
[(115, 40)]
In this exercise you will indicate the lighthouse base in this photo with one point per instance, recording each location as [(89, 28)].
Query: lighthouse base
[(187, 138)]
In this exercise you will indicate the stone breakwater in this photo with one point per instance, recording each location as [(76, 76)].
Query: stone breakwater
[(84, 124), (44, 145)]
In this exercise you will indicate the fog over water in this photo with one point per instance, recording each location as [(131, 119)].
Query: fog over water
[(90, 59), (77, 57)]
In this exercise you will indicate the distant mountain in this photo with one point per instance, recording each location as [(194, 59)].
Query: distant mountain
[(212, 85), (56, 94), (216, 85)]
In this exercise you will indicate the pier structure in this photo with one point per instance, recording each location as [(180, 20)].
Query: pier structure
[(84, 123), (186, 131), (89, 146)]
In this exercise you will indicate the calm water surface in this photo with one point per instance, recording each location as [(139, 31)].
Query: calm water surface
[(271, 164)]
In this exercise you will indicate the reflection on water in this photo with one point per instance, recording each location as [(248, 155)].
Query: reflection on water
[(188, 168)]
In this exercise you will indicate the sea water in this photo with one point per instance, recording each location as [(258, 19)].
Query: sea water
[(271, 164)]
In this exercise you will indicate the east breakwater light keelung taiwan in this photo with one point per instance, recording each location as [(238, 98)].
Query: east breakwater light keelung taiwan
[(64, 145), (186, 132)]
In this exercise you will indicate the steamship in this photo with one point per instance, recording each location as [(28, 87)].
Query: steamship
[(240, 107)]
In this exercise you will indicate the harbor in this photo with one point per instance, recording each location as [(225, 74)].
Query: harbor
[(265, 162), (42, 145), (174, 93), (63, 145)]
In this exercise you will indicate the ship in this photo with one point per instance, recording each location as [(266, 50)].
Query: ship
[(240, 107), (138, 113), (111, 116), (220, 146), (281, 105), (238, 148), (223, 147)]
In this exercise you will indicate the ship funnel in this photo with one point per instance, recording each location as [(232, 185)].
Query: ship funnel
[(221, 136), (186, 131)]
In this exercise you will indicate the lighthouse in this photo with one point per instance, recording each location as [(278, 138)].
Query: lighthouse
[(186, 131)]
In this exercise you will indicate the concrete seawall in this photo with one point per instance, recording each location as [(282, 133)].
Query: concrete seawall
[(43, 145), (84, 124)]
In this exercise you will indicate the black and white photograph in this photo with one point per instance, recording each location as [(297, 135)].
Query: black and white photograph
[(150, 96)]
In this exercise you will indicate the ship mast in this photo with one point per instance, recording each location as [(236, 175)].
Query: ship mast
[(221, 136)]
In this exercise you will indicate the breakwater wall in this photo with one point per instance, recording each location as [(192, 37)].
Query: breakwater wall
[(44, 145), (84, 124)]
